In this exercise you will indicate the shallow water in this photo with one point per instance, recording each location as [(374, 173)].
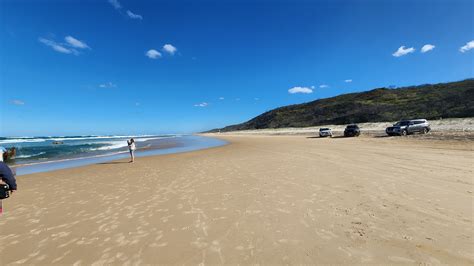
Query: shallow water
[(151, 147), (43, 149)]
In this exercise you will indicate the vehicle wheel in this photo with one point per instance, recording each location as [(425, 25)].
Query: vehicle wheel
[(425, 130), (404, 133)]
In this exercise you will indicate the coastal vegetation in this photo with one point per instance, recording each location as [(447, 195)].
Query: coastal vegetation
[(430, 101)]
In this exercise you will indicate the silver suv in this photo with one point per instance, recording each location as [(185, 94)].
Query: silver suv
[(406, 127)]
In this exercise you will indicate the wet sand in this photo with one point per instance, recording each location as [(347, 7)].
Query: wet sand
[(258, 200)]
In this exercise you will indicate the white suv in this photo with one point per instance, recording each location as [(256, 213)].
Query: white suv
[(325, 132)]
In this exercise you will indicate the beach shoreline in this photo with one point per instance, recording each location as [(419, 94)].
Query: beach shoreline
[(274, 199), (161, 146)]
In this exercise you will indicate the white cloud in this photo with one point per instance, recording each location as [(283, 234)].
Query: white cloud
[(467, 47), (323, 86), (300, 90), (76, 43), (403, 51), (312, 87), (57, 47), (116, 4), (108, 85), (221, 98), (153, 54), (69, 47), (18, 102), (133, 15), (169, 49), (427, 48), (348, 80), (203, 104)]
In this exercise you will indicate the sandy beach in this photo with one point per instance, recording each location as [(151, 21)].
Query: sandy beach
[(259, 200)]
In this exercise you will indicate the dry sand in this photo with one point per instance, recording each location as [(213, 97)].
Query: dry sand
[(258, 200)]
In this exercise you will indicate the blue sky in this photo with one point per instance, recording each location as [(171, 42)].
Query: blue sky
[(137, 67)]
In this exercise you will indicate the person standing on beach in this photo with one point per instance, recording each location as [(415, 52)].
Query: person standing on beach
[(7, 154), (2, 151), (131, 149)]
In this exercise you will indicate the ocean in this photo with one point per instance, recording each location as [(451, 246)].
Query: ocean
[(46, 153)]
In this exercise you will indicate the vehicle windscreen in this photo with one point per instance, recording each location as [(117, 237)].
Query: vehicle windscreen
[(323, 129), (352, 127), (404, 123)]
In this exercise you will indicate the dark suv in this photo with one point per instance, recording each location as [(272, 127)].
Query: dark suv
[(406, 127), (352, 131)]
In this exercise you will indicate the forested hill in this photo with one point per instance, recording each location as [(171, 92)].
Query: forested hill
[(432, 101)]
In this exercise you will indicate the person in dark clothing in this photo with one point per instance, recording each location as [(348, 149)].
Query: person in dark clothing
[(7, 176)]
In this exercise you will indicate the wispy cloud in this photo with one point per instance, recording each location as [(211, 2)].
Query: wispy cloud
[(70, 46), (323, 86), (153, 54), (133, 15), (221, 98), (57, 46), (18, 102), (170, 49), (73, 42), (300, 90), (116, 4), (348, 80), (427, 48), (108, 85), (203, 104), (256, 99), (467, 47), (403, 51)]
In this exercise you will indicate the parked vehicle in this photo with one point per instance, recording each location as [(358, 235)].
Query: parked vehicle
[(352, 131), (406, 127), (325, 132)]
